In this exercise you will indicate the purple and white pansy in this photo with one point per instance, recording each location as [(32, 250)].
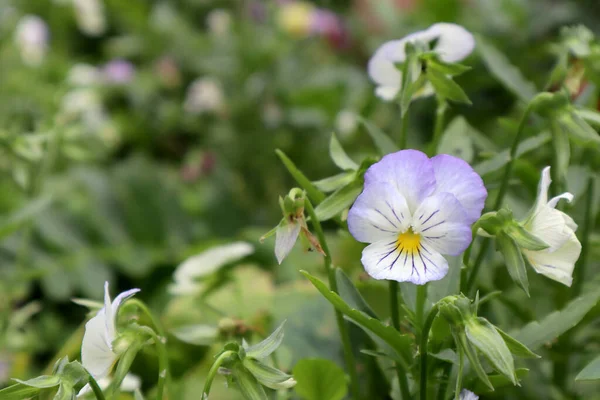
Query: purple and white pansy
[(413, 210)]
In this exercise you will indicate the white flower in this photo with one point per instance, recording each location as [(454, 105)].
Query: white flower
[(84, 75), (219, 22), (454, 43), (556, 229), (31, 37), (204, 264), (346, 123), (204, 95), (468, 395), (130, 384), (90, 16), (97, 355)]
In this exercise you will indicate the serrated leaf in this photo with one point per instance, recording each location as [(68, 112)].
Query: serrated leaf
[(320, 379), (198, 334), (499, 65), (339, 156), (515, 264), (41, 382), (269, 345), (591, 372), (446, 87), (383, 142), (335, 182), (537, 333), (350, 294), (338, 201), (247, 383), (313, 193), (398, 342)]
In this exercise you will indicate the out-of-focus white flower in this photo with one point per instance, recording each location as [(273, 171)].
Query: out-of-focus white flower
[(454, 43), (31, 37), (130, 384), (272, 115), (204, 95), (204, 264), (118, 72), (90, 18), (219, 22), (84, 75), (468, 395), (97, 355), (85, 103), (556, 229), (345, 123)]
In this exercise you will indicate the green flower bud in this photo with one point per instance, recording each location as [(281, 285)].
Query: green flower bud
[(456, 310), (550, 104)]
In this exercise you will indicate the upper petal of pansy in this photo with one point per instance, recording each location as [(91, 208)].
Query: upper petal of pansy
[(442, 224), (409, 171), (454, 42), (382, 68), (388, 259), (116, 304), (96, 354), (543, 186), (557, 265), (453, 175), (378, 212)]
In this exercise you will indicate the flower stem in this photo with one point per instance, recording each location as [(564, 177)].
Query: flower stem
[(438, 129), (403, 138), (420, 306), (423, 350), (342, 327), (95, 388), (213, 372), (395, 313), (588, 222), (500, 197), (461, 362)]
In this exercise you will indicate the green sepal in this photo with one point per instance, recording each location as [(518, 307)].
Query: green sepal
[(65, 392), (41, 382), (247, 383), (465, 346), (269, 345), (513, 259), (446, 88), (268, 376), (18, 392), (432, 61), (524, 238), (517, 348)]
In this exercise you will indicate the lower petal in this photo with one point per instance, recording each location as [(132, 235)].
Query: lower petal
[(387, 93), (557, 265)]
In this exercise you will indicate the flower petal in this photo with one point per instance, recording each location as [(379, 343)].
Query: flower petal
[(116, 304), (454, 42), (543, 186), (285, 238), (456, 176), (468, 395), (443, 225), (551, 226), (409, 171), (557, 265), (554, 201), (96, 354), (378, 213), (387, 92), (385, 259)]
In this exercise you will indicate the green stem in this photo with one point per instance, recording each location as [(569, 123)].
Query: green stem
[(423, 350), (440, 115), (142, 306), (588, 223), (461, 362), (95, 388), (420, 306), (395, 312), (342, 327), (403, 138), (213, 372), (500, 197)]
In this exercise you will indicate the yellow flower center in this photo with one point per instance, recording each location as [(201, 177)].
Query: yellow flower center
[(409, 241)]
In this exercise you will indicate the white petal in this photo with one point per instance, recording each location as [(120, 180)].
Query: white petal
[(285, 238), (382, 69), (387, 93), (386, 260), (96, 354), (131, 382), (454, 42), (557, 265), (549, 225), (211, 260), (543, 185), (569, 221), (468, 395), (554, 201), (443, 225), (378, 213), (112, 323), (187, 287)]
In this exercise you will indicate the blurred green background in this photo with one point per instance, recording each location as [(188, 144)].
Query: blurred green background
[(134, 134)]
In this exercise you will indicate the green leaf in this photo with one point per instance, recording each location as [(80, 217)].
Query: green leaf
[(576, 126), (499, 381), (455, 142), (350, 294), (592, 117), (524, 239), (398, 342), (502, 158), (197, 334), (536, 334), (513, 259), (591, 372), (335, 182), (269, 345), (247, 383), (320, 379), (18, 392), (504, 71), (268, 376), (25, 214), (339, 156), (338, 201), (446, 87), (383, 142), (65, 392), (313, 193), (41, 382), (517, 348)]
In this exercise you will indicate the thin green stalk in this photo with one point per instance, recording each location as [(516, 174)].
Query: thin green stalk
[(403, 138), (342, 327), (500, 197), (441, 394), (438, 129), (461, 363), (395, 312), (420, 306), (423, 350), (142, 306), (213, 372), (95, 388), (588, 224)]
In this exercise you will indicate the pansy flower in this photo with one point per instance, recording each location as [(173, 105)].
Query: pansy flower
[(556, 229), (97, 355), (453, 43), (412, 211)]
